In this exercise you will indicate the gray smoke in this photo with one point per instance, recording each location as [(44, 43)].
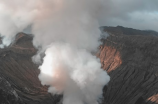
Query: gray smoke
[(67, 31), (16, 15)]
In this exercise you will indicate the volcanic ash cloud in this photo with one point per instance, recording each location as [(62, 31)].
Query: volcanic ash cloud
[(75, 73), (68, 32)]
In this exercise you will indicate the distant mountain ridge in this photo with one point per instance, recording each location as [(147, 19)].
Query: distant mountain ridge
[(120, 30)]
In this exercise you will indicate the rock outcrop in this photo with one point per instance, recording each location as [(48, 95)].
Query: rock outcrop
[(19, 83), (132, 63), (128, 55)]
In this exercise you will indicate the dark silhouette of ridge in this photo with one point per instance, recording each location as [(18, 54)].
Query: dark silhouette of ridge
[(120, 30)]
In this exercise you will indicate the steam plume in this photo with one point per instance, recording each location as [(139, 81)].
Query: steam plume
[(67, 31)]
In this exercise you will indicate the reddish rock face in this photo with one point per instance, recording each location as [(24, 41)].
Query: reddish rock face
[(132, 63), (154, 98), (19, 83), (109, 57), (130, 60)]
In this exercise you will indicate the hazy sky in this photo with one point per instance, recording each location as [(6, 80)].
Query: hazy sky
[(139, 14)]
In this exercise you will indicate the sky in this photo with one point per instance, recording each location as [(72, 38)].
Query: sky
[(139, 14), (68, 32)]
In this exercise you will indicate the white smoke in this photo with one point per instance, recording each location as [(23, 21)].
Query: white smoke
[(68, 32), (74, 72), (14, 18)]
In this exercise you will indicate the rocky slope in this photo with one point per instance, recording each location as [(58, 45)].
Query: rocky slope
[(129, 57), (132, 63), (19, 83)]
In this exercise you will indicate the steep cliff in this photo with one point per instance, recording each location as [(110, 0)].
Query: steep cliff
[(131, 60), (132, 63), (19, 83)]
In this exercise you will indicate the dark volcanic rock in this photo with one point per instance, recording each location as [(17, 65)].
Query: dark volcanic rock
[(132, 63), (8, 95), (19, 83), (129, 56), (119, 30)]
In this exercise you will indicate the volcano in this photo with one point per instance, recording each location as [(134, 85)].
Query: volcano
[(128, 55)]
